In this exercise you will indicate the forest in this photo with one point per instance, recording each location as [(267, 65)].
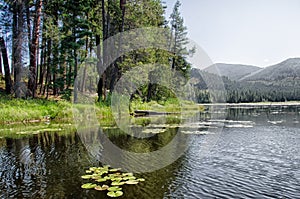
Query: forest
[(44, 44)]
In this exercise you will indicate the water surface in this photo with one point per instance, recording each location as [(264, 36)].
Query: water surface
[(256, 155)]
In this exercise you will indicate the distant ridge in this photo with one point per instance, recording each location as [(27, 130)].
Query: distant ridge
[(234, 72), (287, 69)]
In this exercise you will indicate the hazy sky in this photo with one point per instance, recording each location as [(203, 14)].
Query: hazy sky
[(255, 32)]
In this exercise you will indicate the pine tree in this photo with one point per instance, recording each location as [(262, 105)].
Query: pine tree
[(179, 41)]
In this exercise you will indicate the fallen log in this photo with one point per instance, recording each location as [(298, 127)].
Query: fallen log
[(140, 113)]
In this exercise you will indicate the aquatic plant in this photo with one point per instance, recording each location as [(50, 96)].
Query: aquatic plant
[(109, 179)]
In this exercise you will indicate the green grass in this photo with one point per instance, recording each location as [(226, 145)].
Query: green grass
[(171, 105), (19, 110)]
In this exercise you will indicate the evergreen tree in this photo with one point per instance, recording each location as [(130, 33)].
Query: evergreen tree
[(179, 41)]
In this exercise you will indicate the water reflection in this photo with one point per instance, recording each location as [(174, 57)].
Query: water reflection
[(49, 165)]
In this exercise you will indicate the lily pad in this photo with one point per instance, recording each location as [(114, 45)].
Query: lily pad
[(87, 176), (129, 178), (127, 174), (88, 186), (132, 182), (115, 194), (93, 168), (116, 179), (103, 188), (99, 188), (101, 180), (117, 183), (115, 170), (141, 179), (116, 188)]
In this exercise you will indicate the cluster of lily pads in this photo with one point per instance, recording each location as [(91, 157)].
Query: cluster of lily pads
[(106, 178)]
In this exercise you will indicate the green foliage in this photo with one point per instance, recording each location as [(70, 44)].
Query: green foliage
[(66, 94)]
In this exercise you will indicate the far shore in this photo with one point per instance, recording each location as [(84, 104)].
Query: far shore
[(290, 103)]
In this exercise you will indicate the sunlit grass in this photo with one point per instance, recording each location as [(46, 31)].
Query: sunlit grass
[(21, 111), (172, 105)]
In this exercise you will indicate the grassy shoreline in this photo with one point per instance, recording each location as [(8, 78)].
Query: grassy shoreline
[(18, 111)]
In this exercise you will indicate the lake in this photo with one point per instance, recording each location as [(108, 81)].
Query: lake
[(253, 153)]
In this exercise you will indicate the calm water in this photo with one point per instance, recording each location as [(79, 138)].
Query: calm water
[(257, 155)]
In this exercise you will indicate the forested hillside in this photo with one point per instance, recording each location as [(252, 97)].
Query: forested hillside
[(280, 82)]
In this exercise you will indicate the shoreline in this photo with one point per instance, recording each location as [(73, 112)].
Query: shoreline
[(291, 103)]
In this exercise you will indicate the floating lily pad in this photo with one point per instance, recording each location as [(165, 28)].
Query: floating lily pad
[(116, 179), (141, 179), (127, 174), (88, 186), (103, 188), (87, 176), (101, 180), (117, 183), (88, 171), (115, 170), (99, 188), (116, 188), (132, 182), (115, 194), (129, 178), (93, 168)]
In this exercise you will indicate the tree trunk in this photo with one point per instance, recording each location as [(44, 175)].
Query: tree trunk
[(100, 63), (114, 66), (83, 79), (48, 71), (123, 8), (42, 65), (1, 72), (17, 47), (34, 49), (28, 24), (8, 83)]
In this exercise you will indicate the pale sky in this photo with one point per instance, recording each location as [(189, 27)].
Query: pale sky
[(254, 32)]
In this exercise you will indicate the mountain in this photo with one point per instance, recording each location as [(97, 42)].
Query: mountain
[(232, 71), (284, 71), (280, 82)]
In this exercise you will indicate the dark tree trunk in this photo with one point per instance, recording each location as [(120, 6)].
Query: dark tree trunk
[(101, 62), (18, 23), (1, 72), (34, 49), (42, 65), (123, 8), (55, 60), (83, 79), (115, 68), (28, 24), (8, 83), (100, 72), (48, 73)]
